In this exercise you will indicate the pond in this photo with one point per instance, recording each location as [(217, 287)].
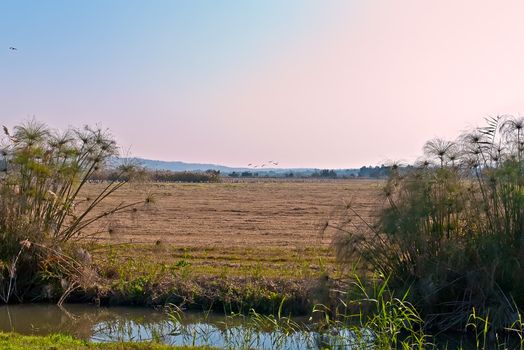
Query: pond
[(102, 324)]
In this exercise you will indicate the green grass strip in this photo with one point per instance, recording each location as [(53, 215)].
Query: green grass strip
[(13, 341)]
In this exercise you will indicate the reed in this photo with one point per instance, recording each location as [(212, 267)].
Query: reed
[(42, 214), (452, 229)]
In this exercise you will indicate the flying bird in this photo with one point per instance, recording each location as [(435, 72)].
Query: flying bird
[(13, 48), (5, 130)]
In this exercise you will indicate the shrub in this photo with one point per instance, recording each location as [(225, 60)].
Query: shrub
[(453, 228), (41, 212)]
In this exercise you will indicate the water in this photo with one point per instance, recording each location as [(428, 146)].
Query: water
[(102, 324)]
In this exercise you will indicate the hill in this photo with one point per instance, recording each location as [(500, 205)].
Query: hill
[(183, 166)]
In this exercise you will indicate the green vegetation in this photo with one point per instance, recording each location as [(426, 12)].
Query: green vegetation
[(372, 317), (228, 279), (41, 214), (387, 323), (453, 232), (12, 341)]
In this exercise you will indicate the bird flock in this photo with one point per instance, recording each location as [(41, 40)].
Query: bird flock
[(263, 165)]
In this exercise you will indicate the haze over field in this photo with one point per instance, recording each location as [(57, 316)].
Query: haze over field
[(321, 84)]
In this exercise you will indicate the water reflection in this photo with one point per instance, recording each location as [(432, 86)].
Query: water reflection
[(143, 324)]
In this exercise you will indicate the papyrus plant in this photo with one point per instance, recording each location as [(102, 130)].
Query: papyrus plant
[(452, 227), (42, 174)]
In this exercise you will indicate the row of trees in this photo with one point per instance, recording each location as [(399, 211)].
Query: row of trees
[(156, 175), (324, 173)]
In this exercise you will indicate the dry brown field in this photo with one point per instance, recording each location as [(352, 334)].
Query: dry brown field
[(242, 213), (248, 228)]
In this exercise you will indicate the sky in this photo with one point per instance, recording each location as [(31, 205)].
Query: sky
[(307, 83)]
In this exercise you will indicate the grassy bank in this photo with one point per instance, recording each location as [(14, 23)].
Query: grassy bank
[(13, 341), (235, 279)]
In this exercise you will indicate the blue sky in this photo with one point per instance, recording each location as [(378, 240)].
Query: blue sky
[(114, 44), (309, 83)]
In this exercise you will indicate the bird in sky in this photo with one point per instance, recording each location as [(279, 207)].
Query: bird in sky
[(13, 48)]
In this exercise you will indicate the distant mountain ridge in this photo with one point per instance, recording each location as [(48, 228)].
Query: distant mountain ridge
[(183, 166)]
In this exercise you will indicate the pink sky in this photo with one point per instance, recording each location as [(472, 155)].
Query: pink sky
[(352, 84)]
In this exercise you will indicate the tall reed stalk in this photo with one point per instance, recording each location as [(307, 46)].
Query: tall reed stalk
[(41, 210), (452, 228)]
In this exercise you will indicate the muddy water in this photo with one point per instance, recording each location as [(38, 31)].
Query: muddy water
[(144, 324)]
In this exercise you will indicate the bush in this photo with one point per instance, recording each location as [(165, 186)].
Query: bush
[(41, 212), (453, 229)]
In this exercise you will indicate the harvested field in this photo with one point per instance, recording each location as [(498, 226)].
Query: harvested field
[(238, 243), (241, 214)]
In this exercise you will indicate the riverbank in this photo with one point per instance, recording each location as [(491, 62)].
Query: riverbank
[(214, 278)]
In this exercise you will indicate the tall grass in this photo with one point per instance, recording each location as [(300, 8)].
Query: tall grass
[(42, 212), (371, 319), (452, 229)]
